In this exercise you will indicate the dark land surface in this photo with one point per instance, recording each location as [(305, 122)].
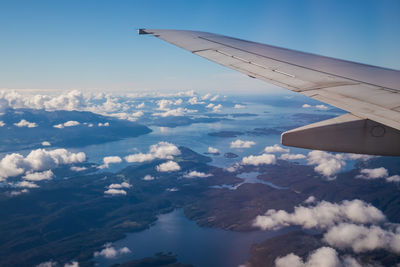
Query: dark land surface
[(72, 218)]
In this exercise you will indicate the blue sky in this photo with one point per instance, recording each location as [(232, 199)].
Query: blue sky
[(93, 44)]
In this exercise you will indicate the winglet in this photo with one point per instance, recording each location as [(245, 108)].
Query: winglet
[(143, 31)]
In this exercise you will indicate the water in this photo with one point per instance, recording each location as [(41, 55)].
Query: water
[(248, 178), (199, 246)]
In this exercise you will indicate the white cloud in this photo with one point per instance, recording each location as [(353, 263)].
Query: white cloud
[(175, 112), (2, 123), (214, 98), (196, 174), (213, 150), (72, 264), (162, 150), (194, 101), (119, 186), (276, 149), (217, 108), (211, 105), (292, 156), (78, 169), (110, 160), (164, 104), (394, 179), (323, 215), (66, 124), (109, 252), (326, 163), (37, 160), (105, 124), (115, 192), (242, 144), (373, 173), (38, 176), (168, 166), (310, 199), (239, 106), (172, 189), (45, 143), (259, 160), (47, 264), (141, 105), (362, 238), (359, 156), (27, 184), (322, 107), (148, 177), (25, 123), (138, 114), (206, 96), (324, 256), (178, 102), (17, 193)]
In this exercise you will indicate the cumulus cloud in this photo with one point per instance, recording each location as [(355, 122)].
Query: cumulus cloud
[(138, 114), (105, 124), (324, 256), (47, 264), (217, 108), (110, 160), (168, 166), (115, 192), (206, 96), (214, 98), (362, 238), (148, 177), (259, 160), (321, 107), (242, 144), (288, 156), (276, 149), (195, 101), (373, 173), (27, 184), (2, 123), (196, 174), (38, 176), (323, 215), (175, 112), (110, 252), (162, 150), (239, 106), (141, 105), (119, 186), (25, 123), (310, 199), (78, 169), (213, 150), (66, 124), (164, 104), (211, 105), (37, 160), (45, 143), (72, 264), (326, 163)]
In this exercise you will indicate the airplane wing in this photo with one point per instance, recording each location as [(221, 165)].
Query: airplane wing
[(370, 94)]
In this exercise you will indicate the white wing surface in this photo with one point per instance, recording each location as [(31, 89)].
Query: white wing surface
[(370, 94)]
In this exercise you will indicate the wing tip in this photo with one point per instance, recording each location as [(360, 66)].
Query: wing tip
[(142, 31)]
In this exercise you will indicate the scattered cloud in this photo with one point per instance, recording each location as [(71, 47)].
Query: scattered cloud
[(196, 174), (25, 123), (66, 124), (105, 124), (326, 163), (168, 166), (172, 189), (148, 177), (119, 186), (288, 156), (321, 107), (259, 160), (38, 176), (78, 169), (310, 199), (194, 101), (162, 150), (37, 160), (373, 173), (72, 264), (213, 150), (109, 252), (323, 215), (2, 123), (45, 143), (217, 108), (115, 192), (306, 106), (324, 256), (141, 105), (242, 144), (50, 263), (110, 160), (276, 149), (214, 98), (206, 96), (27, 184), (138, 114), (238, 106)]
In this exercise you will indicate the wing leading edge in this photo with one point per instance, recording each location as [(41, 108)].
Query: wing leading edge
[(370, 94)]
